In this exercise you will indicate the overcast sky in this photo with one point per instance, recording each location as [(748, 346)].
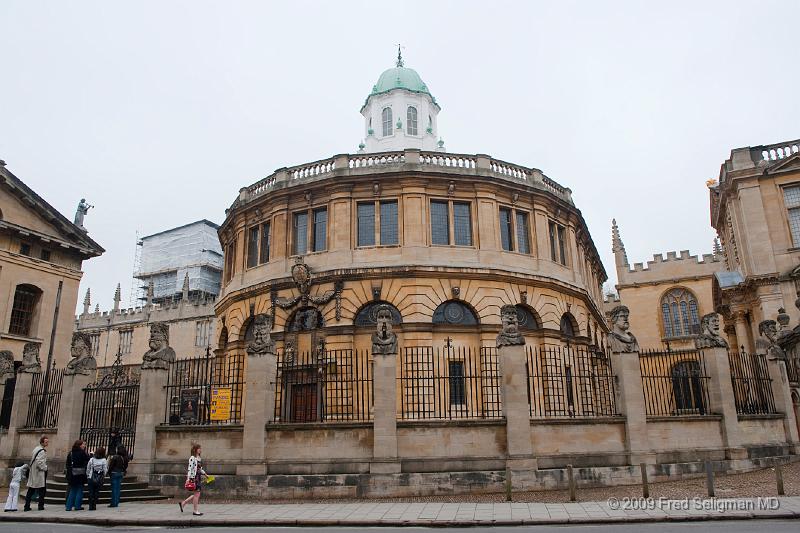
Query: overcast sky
[(158, 112)]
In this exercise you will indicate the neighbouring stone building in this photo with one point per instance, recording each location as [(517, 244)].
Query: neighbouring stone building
[(668, 296), (179, 277), (41, 253), (755, 209)]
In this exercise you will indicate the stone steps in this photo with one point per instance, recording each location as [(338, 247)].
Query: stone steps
[(133, 490)]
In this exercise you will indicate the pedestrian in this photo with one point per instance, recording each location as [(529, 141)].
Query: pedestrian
[(117, 466), (194, 479), (96, 471), (37, 475), (75, 470), (114, 441), (20, 471)]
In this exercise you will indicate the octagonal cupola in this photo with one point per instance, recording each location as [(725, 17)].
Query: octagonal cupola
[(400, 113)]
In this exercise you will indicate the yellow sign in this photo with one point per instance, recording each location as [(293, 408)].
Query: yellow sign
[(220, 403)]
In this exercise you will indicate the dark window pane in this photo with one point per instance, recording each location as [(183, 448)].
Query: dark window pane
[(389, 230), (552, 231), (300, 233), (505, 229), (440, 231), (45, 255), (320, 229), (457, 383), (252, 247), (366, 224), (562, 253), (22, 310), (264, 258), (523, 242), (25, 248), (462, 224)]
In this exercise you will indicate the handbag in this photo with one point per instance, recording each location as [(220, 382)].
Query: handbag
[(190, 485)]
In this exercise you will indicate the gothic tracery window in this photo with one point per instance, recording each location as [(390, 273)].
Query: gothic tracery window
[(679, 313)]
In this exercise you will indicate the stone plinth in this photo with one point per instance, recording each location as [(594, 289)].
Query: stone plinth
[(630, 400), (69, 416), (384, 383), (19, 412), (152, 402), (258, 409), (514, 388), (783, 401), (722, 401)]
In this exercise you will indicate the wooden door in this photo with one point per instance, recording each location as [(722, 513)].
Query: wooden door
[(304, 402)]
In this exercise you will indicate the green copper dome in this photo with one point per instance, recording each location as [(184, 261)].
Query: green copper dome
[(400, 78)]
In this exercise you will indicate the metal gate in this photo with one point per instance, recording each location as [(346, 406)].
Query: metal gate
[(109, 410), (8, 402)]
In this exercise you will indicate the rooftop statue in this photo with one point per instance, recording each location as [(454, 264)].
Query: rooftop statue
[(82, 361), (384, 340), (509, 334), (262, 343), (30, 358), (83, 209), (160, 354), (620, 338), (710, 337)]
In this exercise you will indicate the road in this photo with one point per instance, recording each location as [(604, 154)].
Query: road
[(716, 526)]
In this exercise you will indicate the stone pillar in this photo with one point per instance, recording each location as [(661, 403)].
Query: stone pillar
[(742, 336), (69, 415), (514, 390), (384, 386), (152, 403), (783, 402), (19, 413), (259, 408), (722, 402), (630, 400)]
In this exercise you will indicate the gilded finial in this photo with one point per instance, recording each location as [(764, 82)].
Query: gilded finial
[(399, 56)]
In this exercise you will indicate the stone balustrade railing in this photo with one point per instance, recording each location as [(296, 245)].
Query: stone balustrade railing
[(774, 152), (440, 160)]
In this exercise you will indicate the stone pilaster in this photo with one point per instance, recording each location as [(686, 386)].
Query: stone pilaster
[(384, 385), (259, 409), (152, 403), (722, 402), (783, 402), (19, 412), (69, 416), (514, 388), (630, 400)]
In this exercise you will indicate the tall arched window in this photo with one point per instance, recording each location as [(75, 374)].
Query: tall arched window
[(455, 313), (568, 325), (26, 298), (687, 387), (386, 118), (679, 313), (411, 120)]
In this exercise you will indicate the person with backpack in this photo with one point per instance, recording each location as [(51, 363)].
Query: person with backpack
[(75, 470), (37, 477), (96, 470), (117, 466)]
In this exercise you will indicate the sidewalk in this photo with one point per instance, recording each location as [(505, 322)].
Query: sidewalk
[(410, 514)]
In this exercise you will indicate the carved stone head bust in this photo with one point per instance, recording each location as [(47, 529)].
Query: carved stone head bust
[(620, 338), (261, 342), (769, 330), (82, 361), (160, 354), (30, 358), (509, 332), (384, 340), (709, 336), (6, 365)]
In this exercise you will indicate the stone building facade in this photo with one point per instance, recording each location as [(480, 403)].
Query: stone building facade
[(755, 209), (41, 253), (668, 296)]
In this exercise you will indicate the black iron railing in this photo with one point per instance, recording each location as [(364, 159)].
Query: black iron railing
[(674, 382), (449, 383), (569, 381), (45, 399), (752, 386), (205, 390), (326, 386)]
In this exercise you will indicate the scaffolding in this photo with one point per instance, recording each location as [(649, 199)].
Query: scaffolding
[(166, 258)]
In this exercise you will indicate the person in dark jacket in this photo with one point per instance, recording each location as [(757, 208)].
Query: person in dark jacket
[(75, 470), (117, 465)]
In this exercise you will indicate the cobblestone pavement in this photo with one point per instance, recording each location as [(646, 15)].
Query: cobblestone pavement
[(421, 514)]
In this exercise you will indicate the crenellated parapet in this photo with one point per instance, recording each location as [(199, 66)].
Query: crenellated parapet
[(674, 267)]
